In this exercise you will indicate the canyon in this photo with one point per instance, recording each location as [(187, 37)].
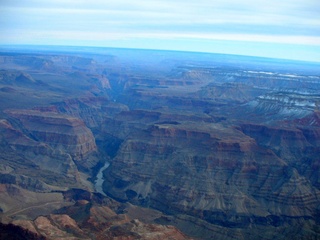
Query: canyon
[(142, 144)]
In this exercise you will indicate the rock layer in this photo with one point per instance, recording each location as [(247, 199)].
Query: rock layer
[(213, 172), (16, 143), (62, 132)]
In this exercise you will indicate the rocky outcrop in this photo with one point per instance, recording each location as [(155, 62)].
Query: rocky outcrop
[(25, 61), (280, 105), (92, 111), (288, 143), (16, 78), (16, 143), (273, 79), (295, 141), (24, 182), (88, 220), (62, 132), (106, 225), (231, 92), (217, 174), (11, 231), (312, 120)]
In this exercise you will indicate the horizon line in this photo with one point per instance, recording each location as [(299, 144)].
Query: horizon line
[(6, 45)]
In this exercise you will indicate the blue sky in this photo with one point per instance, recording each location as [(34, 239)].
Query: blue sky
[(283, 29)]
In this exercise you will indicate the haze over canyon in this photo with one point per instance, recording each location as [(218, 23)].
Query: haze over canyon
[(103, 143)]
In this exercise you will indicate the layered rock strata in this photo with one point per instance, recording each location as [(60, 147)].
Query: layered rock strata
[(20, 146), (295, 141), (211, 171), (62, 132)]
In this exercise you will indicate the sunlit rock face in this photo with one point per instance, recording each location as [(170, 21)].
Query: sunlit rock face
[(87, 218)]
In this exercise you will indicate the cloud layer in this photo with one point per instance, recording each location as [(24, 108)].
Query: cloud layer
[(102, 22)]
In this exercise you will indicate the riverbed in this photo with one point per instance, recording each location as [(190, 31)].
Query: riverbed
[(99, 181)]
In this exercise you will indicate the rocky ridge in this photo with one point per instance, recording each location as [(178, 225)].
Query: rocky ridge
[(88, 219), (221, 158), (59, 131)]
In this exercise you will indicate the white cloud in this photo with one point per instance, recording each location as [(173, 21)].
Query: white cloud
[(154, 14), (98, 21), (94, 37)]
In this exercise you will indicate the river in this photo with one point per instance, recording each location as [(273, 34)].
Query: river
[(99, 181)]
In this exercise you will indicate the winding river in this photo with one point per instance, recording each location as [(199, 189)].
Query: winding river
[(99, 181)]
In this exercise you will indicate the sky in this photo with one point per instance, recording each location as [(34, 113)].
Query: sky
[(270, 28)]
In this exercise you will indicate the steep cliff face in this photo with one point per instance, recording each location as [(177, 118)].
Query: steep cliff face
[(295, 141), (275, 79), (288, 143), (61, 132), (280, 105), (213, 172), (23, 61), (231, 92), (312, 120), (19, 147), (91, 110)]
